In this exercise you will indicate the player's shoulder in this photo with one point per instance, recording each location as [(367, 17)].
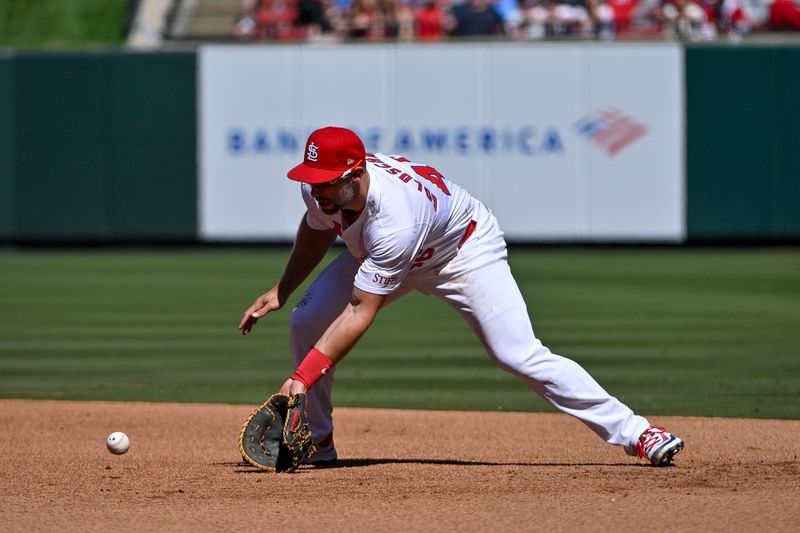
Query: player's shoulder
[(380, 159)]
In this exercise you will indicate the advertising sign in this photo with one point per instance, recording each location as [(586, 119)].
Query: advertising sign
[(571, 142)]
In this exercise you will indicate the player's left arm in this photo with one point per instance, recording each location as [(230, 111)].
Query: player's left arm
[(338, 339), (354, 321), (390, 258)]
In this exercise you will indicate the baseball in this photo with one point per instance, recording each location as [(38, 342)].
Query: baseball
[(118, 443)]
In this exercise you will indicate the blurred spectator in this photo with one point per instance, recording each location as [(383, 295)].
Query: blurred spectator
[(648, 18), (686, 19), (757, 12), (571, 18), (785, 15), (623, 12), (541, 18), (398, 19), (742, 16), (533, 18), (476, 17), (267, 19), (732, 18), (313, 16), (602, 18), (245, 27), (428, 20), (507, 9), (433, 21), (365, 20)]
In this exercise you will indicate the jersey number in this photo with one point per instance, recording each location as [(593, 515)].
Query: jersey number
[(429, 173), (432, 175), (423, 256)]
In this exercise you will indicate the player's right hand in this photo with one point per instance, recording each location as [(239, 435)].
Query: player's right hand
[(266, 303)]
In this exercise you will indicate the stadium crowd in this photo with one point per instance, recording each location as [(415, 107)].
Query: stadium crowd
[(431, 20)]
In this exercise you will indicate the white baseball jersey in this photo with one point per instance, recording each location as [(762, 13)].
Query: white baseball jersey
[(414, 221)]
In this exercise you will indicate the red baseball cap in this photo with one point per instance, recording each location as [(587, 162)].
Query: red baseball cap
[(330, 152)]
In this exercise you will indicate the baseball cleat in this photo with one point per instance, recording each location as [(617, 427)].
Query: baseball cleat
[(658, 446)]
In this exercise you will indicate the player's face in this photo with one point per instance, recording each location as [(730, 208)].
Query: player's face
[(335, 195)]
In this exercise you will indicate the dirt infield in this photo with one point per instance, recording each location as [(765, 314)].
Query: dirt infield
[(399, 471)]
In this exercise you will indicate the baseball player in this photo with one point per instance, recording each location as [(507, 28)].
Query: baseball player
[(407, 227)]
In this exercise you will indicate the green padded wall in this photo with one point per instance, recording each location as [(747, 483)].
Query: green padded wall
[(789, 79), (742, 119), (6, 147), (63, 174), (153, 146), (105, 147), (102, 146)]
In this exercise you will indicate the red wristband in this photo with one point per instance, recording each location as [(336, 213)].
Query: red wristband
[(315, 365)]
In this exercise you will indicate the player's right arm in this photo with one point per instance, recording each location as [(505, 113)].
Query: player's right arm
[(310, 247)]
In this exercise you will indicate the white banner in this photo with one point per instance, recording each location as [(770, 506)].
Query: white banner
[(576, 142)]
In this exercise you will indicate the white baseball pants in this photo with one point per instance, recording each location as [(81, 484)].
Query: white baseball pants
[(479, 285)]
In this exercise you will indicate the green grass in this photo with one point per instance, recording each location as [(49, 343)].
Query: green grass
[(668, 331), (61, 23)]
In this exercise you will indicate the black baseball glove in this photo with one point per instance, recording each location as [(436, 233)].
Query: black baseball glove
[(276, 437)]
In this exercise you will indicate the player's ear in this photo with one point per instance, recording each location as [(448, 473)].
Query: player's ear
[(358, 173)]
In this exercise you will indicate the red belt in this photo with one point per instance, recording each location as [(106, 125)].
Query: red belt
[(468, 232)]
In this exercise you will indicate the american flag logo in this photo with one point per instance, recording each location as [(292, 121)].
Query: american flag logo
[(611, 130)]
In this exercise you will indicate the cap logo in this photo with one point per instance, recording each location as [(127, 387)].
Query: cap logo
[(350, 161), (311, 155)]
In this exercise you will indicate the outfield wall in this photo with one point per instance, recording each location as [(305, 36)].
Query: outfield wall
[(7, 148), (743, 142), (566, 142), (98, 147)]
